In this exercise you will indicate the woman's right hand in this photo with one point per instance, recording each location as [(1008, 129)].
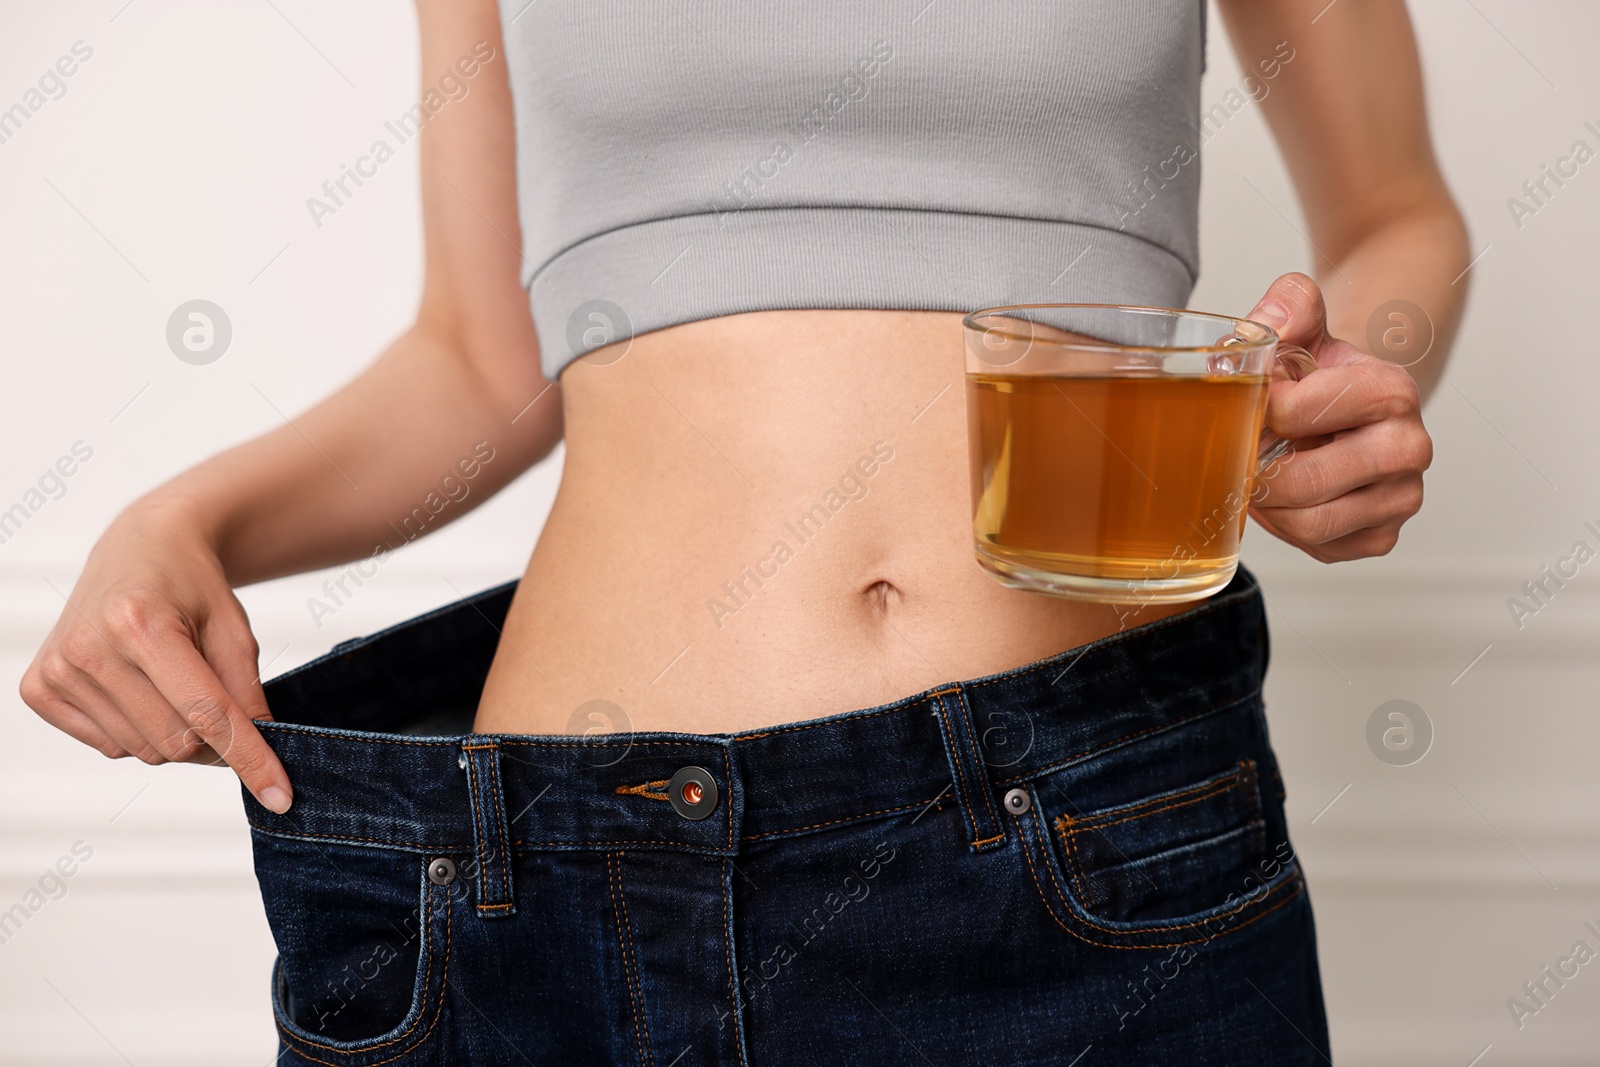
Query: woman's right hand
[(153, 655)]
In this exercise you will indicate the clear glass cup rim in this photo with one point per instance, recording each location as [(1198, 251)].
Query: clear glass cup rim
[(1268, 336)]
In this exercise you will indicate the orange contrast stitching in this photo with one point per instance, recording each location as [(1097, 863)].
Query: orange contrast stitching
[(645, 789), (1217, 790), (644, 1021), (1079, 878), (1151, 929), (988, 800), (619, 911), (496, 821), (1050, 910), (438, 1010), (622, 947), (1232, 780), (477, 822), (498, 794), (944, 728), (1128, 809)]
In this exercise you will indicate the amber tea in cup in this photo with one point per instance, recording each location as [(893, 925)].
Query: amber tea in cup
[(1114, 449)]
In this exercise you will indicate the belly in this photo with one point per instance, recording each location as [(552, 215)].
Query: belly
[(764, 518)]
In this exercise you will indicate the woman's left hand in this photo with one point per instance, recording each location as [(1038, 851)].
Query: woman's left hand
[(1355, 475)]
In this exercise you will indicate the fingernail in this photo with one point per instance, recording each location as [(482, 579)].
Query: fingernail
[(1270, 315), (276, 798)]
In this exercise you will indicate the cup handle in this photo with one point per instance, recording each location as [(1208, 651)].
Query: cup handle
[(1297, 363)]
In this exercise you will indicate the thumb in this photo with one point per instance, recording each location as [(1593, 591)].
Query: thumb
[(1293, 306)]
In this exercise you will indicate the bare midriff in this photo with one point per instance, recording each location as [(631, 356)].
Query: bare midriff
[(765, 518)]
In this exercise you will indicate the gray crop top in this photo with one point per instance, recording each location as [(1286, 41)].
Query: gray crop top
[(683, 159)]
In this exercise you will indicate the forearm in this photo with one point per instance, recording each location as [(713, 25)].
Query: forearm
[(1418, 258), (1349, 117), (417, 440)]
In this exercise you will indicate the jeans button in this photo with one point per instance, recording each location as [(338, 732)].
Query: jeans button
[(1018, 801), (441, 871), (693, 793)]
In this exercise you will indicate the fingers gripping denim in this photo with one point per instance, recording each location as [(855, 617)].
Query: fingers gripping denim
[(1084, 860)]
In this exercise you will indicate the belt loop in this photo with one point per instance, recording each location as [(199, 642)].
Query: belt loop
[(490, 835), (971, 777)]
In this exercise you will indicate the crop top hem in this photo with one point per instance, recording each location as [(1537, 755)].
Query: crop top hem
[(665, 272)]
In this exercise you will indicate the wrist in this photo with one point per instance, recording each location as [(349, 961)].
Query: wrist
[(171, 513)]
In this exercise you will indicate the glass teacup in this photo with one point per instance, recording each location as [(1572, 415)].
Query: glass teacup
[(1114, 449)]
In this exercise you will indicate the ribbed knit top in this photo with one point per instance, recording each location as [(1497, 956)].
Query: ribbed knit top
[(687, 159)]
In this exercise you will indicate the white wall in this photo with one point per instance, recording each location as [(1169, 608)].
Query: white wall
[(1443, 886), (177, 166)]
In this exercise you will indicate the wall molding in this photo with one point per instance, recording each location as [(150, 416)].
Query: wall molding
[(1451, 594)]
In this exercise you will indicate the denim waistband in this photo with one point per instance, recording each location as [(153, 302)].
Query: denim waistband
[(376, 738)]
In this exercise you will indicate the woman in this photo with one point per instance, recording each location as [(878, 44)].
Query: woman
[(746, 239)]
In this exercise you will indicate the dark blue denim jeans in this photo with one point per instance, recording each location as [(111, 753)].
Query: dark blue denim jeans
[(1081, 861)]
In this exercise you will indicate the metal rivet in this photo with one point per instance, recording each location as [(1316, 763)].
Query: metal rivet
[(1018, 801), (441, 871), (461, 760), (693, 793)]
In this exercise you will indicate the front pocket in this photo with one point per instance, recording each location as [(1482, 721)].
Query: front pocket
[(1167, 855), (363, 941), (1176, 867)]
